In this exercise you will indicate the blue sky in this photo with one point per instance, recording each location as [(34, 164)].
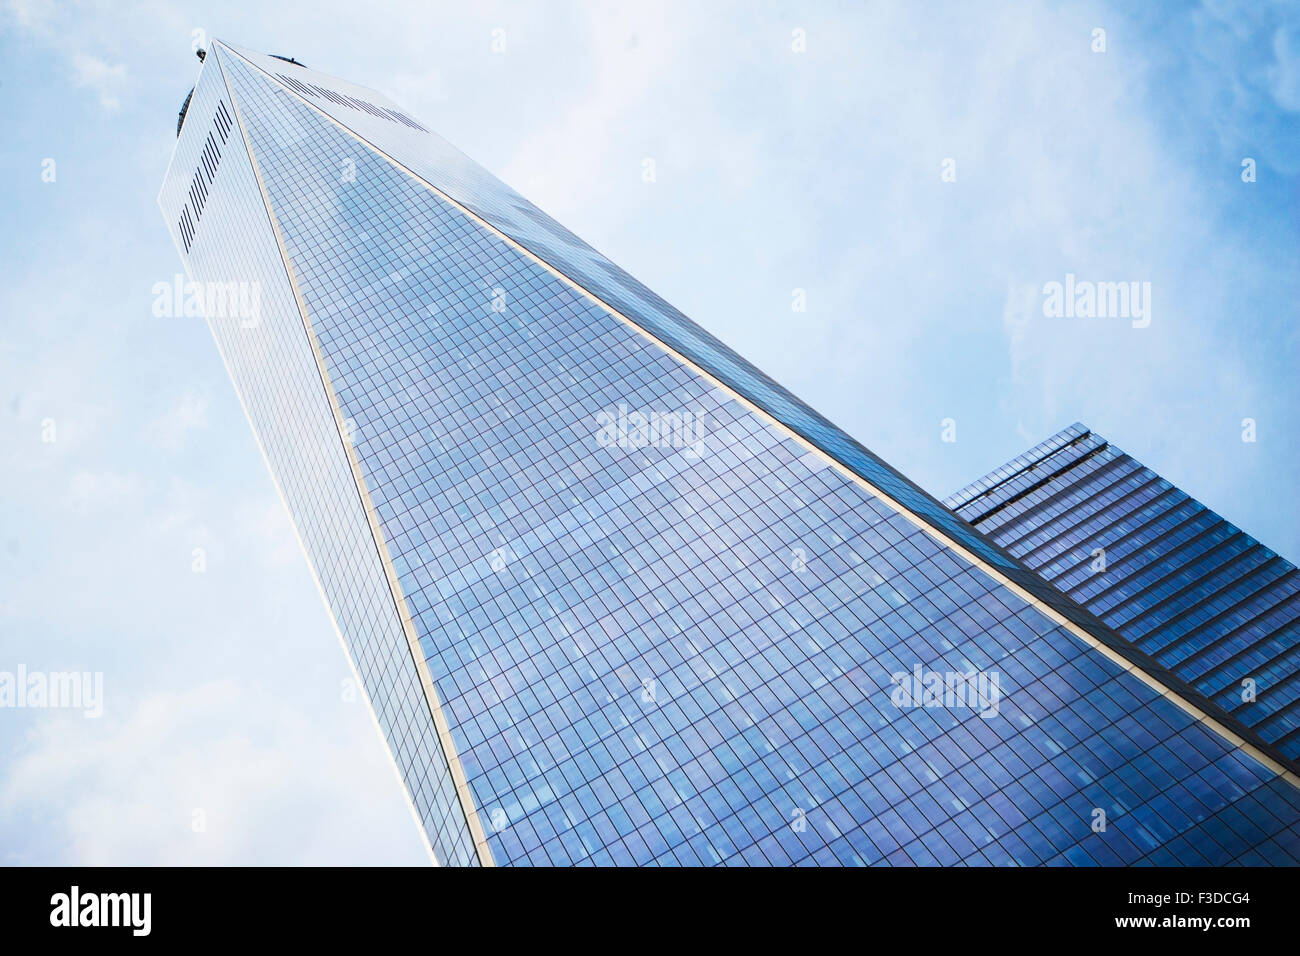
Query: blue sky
[(775, 171)]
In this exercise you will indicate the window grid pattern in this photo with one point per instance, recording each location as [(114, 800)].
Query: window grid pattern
[(274, 371), (633, 670), (1203, 598), (456, 175)]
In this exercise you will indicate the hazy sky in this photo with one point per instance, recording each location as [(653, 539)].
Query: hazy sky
[(776, 170)]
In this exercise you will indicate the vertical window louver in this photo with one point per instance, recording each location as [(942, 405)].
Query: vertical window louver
[(204, 175)]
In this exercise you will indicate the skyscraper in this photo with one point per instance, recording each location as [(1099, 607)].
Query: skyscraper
[(615, 595), (1180, 583)]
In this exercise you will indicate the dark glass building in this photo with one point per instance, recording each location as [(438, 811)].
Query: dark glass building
[(617, 597), (1198, 594)]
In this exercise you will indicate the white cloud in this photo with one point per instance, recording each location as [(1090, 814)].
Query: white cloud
[(269, 788), (170, 430), (93, 489), (30, 13), (63, 28), (1285, 72), (106, 79)]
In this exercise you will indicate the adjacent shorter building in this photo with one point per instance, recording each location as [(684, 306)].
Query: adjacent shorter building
[(1205, 599)]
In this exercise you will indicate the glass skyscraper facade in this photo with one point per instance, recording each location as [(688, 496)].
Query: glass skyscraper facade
[(617, 597), (1202, 597)]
